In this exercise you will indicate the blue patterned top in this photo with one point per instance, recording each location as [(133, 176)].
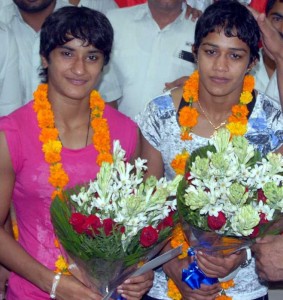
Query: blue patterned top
[(158, 124)]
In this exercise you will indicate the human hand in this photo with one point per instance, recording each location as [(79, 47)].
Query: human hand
[(269, 257), (176, 83), (4, 275), (193, 12), (135, 287), (174, 270), (220, 266), (271, 39), (69, 288)]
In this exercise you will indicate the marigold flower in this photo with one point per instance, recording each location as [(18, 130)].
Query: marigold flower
[(188, 116), (47, 134), (237, 128), (52, 151), (249, 83), (227, 284), (62, 266), (173, 291), (58, 177), (179, 163), (246, 97)]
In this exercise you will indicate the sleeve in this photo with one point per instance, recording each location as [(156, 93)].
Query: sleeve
[(11, 92), (150, 124), (109, 86), (199, 4), (13, 140)]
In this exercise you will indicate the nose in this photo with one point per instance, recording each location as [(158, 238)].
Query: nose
[(221, 63), (78, 66)]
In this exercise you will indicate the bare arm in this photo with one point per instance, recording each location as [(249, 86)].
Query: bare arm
[(15, 258), (153, 157)]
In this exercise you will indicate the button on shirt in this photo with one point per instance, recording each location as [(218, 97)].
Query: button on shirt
[(11, 93), (28, 47), (145, 57)]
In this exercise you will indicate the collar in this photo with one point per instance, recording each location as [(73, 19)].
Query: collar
[(143, 11)]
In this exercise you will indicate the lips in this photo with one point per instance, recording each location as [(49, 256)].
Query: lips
[(219, 80), (76, 81)]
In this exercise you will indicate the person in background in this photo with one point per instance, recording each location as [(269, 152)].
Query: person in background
[(11, 92), (152, 47), (226, 48), (25, 18), (101, 5), (264, 71), (75, 44)]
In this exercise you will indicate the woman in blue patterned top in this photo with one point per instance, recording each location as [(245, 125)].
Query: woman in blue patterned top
[(226, 48)]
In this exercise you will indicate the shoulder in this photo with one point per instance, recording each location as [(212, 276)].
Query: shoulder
[(7, 12), (20, 118), (118, 119)]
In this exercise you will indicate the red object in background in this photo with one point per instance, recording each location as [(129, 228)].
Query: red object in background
[(124, 3), (259, 5)]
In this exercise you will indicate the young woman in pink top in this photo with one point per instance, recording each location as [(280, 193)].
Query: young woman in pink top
[(75, 45)]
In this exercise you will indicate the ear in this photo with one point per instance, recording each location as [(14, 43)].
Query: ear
[(44, 62), (252, 65), (194, 51)]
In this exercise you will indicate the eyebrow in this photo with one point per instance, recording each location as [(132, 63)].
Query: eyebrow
[(72, 49), (276, 14), (216, 46)]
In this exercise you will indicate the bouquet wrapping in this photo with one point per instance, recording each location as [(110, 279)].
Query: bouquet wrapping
[(113, 225), (229, 196)]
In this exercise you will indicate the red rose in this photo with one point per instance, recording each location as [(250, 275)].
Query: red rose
[(108, 225), (261, 196), (187, 177), (149, 236), (167, 222), (255, 232), (216, 223), (263, 219), (77, 221), (92, 224)]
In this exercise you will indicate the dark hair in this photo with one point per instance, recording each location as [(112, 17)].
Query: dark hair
[(69, 22), (269, 5), (236, 21)]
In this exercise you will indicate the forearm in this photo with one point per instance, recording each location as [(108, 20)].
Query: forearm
[(16, 259)]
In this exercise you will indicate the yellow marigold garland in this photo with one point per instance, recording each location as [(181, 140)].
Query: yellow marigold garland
[(52, 146), (188, 115)]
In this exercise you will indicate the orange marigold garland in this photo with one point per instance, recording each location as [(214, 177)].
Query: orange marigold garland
[(188, 115), (52, 146)]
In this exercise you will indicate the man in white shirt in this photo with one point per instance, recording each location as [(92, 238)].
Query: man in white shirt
[(152, 45), (11, 92), (101, 5), (25, 18)]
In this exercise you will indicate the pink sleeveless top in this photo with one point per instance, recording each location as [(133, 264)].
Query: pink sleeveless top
[(31, 196)]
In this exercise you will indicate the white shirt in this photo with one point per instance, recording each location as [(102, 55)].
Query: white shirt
[(260, 74), (28, 47), (272, 88), (203, 4), (11, 93), (101, 5), (144, 57)]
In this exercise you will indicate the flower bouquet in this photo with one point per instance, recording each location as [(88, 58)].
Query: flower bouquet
[(229, 196), (111, 226)]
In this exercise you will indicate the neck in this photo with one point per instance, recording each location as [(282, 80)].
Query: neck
[(163, 16), (269, 64), (35, 20), (74, 2), (218, 108)]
